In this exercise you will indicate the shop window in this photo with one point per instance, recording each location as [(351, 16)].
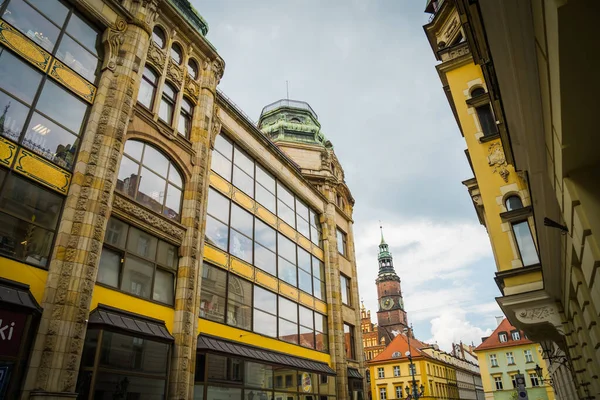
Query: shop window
[(349, 341), (150, 178), (184, 126), (148, 87), (158, 37), (341, 242), (176, 53), (29, 216), (129, 367), (138, 263), (167, 103)]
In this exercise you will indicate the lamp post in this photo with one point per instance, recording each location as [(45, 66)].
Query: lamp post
[(416, 393), (540, 373)]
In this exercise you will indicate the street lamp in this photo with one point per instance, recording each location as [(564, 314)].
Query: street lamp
[(416, 393), (540, 373)]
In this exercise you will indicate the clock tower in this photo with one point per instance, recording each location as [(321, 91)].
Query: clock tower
[(391, 317)]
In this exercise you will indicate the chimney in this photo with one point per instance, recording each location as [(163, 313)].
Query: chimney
[(499, 320)]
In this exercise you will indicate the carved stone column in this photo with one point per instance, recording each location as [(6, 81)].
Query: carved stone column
[(54, 364), (205, 126)]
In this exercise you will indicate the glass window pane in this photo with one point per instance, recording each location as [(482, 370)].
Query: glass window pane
[(301, 209), (239, 315), (288, 331), (288, 309), (167, 255), (304, 281), (164, 287), (318, 268), (241, 220), (176, 55), (285, 379), (287, 271), (169, 91), (175, 177), (18, 78), (128, 177), (146, 94), (165, 111), (243, 182), (52, 9), (343, 288), (218, 205), (61, 106), (306, 317), (314, 235), (32, 24), (286, 214), (12, 116), (173, 202), (223, 393), (116, 233), (212, 294), (286, 248), (51, 141), (318, 289), (109, 386), (285, 195), (302, 226), (224, 146), (192, 68), (265, 300), (141, 243), (158, 37), (265, 259), (525, 242), (307, 337), (216, 233), (221, 165), (240, 246), (320, 322), (304, 259), (243, 161), (31, 203), (265, 198), (134, 149), (265, 324), (24, 241), (321, 341), (264, 234), (78, 58), (265, 179), (259, 375), (183, 124), (83, 32), (151, 190), (486, 120), (137, 276)]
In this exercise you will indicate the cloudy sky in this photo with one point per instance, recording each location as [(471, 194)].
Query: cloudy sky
[(366, 68)]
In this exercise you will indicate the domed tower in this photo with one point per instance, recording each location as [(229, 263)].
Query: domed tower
[(391, 316)]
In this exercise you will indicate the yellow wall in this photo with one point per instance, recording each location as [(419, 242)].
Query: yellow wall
[(23, 273)]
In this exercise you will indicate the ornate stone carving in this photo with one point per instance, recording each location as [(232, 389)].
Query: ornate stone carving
[(131, 209), (477, 200), (146, 12), (218, 67), (174, 73), (156, 56), (497, 160), (537, 314), (192, 89), (548, 313), (216, 127), (113, 39)]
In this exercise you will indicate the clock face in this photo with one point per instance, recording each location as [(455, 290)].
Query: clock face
[(387, 303)]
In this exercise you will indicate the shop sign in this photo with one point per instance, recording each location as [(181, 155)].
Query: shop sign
[(12, 325)]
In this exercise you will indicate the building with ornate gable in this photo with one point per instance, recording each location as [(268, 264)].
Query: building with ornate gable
[(155, 243)]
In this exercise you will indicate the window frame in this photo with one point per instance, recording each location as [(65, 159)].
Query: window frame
[(186, 116), (528, 354), (164, 36), (344, 242), (501, 336), (350, 352), (153, 85), (510, 357), (499, 384), (535, 380), (493, 360), (515, 335), (380, 373), (396, 370), (169, 102), (179, 52), (346, 290)]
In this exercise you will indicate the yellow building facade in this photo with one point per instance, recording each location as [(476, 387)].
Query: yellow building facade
[(154, 241), (533, 168)]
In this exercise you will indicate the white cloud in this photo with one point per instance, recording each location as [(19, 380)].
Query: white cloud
[(452, 326)]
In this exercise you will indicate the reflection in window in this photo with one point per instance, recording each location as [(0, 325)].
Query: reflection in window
[(151, 178), (525, 243), (158, 37), (148, 87), (28, 220), (167, 103), (213, 293), (32, 24), (239, 303), (176, 53), (145, 265), (349, 341)]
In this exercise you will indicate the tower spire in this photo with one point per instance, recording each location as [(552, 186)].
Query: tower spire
[(381, 228)]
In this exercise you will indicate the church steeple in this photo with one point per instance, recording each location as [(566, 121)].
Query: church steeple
[(386, 262)]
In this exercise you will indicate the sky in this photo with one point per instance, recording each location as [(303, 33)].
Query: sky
[(368, 71)]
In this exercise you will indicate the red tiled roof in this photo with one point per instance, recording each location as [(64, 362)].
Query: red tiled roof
[(400, 345), (493, 341)]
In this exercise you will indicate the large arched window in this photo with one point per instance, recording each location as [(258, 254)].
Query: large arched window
[(158, 37), (150, 178), (148, 87)]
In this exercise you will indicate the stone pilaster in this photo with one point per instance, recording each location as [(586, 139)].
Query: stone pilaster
[(56, 355), (205, 125)]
